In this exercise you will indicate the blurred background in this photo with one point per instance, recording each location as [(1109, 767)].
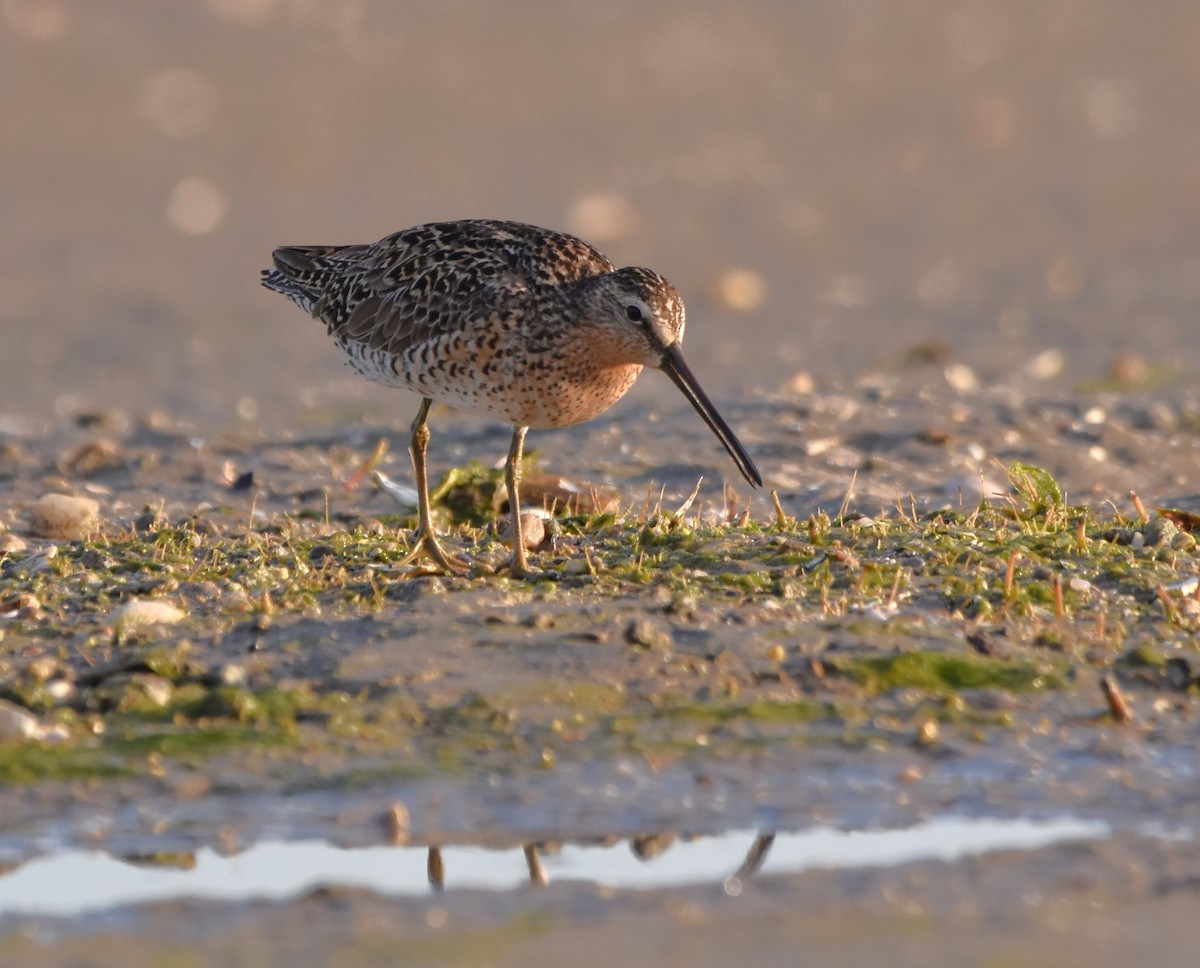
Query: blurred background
[(837, 186)]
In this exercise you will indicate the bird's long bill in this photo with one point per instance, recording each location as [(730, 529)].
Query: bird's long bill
[(674, 367)]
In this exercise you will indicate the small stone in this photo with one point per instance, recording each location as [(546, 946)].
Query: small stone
[(1178, 673), (151, 520), (533, 530), (64, 517), (801, 383), (649, 846), (1160, 531), (108, 421), (37, 562), (155, 688), (575, 566), (1182, 541), (646, 634), (93, 458), (206, 591), (145, 612), (232, 674), (24, 605), (60, 690), (42, 668), (961, 377), (1046, 365), (1153, 415), (133, 691), (927, 733), (18, 723), (1129, 369)]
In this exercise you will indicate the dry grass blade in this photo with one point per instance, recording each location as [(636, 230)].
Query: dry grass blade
[(691, 499), (782, 521), (849, 494)]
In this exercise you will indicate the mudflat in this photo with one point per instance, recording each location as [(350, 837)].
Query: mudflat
[(939, 273)]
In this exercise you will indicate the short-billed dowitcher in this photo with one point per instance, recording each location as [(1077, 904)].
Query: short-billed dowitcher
[(500, 319)]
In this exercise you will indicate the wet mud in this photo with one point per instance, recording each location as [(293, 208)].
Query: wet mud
[(939, 266)]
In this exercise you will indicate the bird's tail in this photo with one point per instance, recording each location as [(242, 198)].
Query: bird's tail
[(304, 273)]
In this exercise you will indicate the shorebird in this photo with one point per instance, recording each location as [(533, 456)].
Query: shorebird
[(499, 319)]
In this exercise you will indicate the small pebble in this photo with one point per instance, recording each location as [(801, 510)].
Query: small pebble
[(647, 634), (37, 562), (42, 668), (155, 688), (141, 613), (1046, 365), (60, 690), (1178, 673), (961, 377), (927, 733), (25, 605), (801, 383), (93, 458), (1129, 369), (533, 530), (233, 674), (64, 517), (18, 723)]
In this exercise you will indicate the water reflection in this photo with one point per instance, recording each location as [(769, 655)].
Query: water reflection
[(77, 882)]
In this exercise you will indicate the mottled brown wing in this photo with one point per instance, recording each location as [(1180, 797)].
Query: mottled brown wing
[(426, 281)]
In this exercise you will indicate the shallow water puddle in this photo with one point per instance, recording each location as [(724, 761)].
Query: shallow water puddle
[(79, 882)]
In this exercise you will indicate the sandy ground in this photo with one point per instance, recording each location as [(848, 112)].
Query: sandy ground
[(973, 234)]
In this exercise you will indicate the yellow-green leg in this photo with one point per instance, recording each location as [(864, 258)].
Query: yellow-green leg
[(518, 565), (426, 540)]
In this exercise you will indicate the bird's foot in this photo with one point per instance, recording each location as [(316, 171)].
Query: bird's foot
[(427, 544), (518, 567)]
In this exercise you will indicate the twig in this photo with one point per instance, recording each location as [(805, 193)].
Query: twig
[(1116, 701), (1009, 574)]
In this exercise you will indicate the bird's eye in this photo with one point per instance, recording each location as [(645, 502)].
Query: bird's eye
[(635, 314)]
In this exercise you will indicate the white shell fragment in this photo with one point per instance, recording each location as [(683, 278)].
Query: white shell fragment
[(18, 723), (141, 613), (402, 494)]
